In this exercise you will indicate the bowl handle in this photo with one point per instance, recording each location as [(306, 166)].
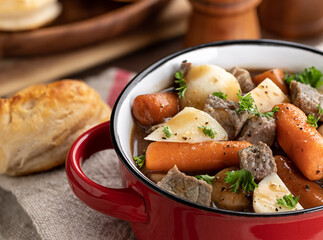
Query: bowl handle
[(124, 203)]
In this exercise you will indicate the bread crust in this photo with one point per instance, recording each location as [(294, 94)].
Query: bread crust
[(39, 124)]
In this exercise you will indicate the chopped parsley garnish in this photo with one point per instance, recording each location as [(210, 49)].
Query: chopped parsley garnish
[(140, 160), (312, 120), (268, 114), (288, 201), (246, 103), (182, 84), (205, 178), (311, 76), (167, 131), (208, 131), (240, 180), (220, 95)]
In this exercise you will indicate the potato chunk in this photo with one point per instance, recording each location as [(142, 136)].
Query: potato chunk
[(265, 196), (186, 126), (226, 199), (267, 94), (202, 80)]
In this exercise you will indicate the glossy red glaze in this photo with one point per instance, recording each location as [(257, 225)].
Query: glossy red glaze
[(124, 203), (155, 215)]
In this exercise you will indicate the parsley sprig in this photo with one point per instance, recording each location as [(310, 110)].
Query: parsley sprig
[(205, 178), (167, 131), (312, 120), (247, 103), (269, 114), (311, 76), (140, 160), (240, 180), (220, 95), (288, 201), (208, 131), (179, 79)]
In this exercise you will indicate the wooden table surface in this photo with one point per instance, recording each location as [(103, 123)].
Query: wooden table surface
[(138, 60)]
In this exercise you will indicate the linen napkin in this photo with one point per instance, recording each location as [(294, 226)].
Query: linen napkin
[(42, 206)]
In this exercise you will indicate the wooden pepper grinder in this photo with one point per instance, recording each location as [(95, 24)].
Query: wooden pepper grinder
[(292, 18), (215, 20)]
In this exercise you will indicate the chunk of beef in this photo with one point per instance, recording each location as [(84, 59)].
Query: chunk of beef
[(225, 112), (244, 79), (186, 187), (185, 67), (257, 159), (306, 98), (259, 129)]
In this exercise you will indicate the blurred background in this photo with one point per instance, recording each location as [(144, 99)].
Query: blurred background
[(47, 40)]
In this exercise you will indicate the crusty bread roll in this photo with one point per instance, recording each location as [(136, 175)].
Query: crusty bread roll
[(18, 15), (39, 124)]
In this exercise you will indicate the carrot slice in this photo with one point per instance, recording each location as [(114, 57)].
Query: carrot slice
[(212, 155), (150, 109), (311, 194), (300, 141), (276, 75)]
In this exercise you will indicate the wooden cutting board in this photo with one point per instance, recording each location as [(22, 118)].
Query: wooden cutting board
[(19, 72), (80, 23)]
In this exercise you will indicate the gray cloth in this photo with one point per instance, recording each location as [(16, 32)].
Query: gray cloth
[(42, 206)]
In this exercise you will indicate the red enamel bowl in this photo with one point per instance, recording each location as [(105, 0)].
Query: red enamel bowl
[(153, 212)]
